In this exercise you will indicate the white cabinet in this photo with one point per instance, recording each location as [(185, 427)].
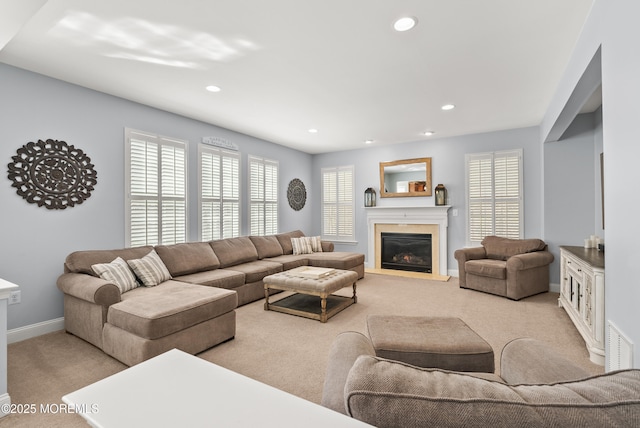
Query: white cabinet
[(582, 295)]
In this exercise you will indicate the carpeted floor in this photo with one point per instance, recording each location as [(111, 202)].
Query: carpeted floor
[(290, 352)]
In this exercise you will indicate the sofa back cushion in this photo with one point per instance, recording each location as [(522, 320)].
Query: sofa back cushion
[(385, 393), (267, 246), (234, 251), (502, 248), (81, 261), (285, 240), (188, 258)]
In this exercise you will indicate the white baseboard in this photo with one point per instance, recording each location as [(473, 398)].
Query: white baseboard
[(27, 332), (554, 287)]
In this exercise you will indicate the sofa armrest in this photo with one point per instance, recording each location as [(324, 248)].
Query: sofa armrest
[(345, 350), (530, 361), (529, 260), (327, 246), (89, 288), (462, 256)]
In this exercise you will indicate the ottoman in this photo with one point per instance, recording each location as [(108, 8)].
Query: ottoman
[(438, 342)]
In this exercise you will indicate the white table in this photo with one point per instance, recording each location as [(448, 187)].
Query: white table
[(177, 389)]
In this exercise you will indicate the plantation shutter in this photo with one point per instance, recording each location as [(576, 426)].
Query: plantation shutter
[(219, 194), (338, 203), (494, 195), (263, 183), (156, 200)]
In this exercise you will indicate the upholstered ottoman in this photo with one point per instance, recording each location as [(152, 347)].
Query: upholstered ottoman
[(439, 342)]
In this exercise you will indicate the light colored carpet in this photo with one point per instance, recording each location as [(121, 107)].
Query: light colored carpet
[(290, 352)]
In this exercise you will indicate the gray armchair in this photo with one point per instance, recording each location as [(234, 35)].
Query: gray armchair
[(513, 268)]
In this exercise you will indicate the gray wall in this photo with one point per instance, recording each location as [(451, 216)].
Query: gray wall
[(35, 240), (572, 187), (613, 26), (447, 168)]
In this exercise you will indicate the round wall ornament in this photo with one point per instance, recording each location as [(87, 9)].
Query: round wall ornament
[(52, 174), (296, 194)]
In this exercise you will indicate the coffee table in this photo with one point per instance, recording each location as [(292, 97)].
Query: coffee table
[(313, 288), (176, 389)]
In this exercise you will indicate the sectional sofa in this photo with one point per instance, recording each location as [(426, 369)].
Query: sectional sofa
[(189, 291)]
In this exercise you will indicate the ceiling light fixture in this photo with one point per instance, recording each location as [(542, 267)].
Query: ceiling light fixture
[(213, 88), (448, 107), (368, 141), (405, 24), (428, 133), (313, 131)]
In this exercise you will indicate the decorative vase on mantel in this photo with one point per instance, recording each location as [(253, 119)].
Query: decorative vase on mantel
[(369, 197), (441, 195)]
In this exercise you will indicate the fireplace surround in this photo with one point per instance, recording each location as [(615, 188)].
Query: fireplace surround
[(413, 219)]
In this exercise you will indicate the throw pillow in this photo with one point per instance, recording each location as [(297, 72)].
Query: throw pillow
[(315, 242), (150, 269), (301, 246), (117, 272)]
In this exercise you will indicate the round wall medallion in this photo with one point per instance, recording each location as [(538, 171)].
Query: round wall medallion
[(52, 174), (296, 194)]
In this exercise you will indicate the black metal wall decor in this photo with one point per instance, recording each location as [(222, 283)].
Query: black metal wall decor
[(296, 194), (52, 174)]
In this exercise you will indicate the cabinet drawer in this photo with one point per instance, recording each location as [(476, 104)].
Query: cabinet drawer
[(575, 269)]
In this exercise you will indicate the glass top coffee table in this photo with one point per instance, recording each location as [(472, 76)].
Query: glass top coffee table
[(313, 288)]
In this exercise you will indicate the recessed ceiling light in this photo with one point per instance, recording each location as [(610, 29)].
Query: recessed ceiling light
[(405, 24), (428, 133), (448, 107), (313, 131), (213, 88), (368, 142)]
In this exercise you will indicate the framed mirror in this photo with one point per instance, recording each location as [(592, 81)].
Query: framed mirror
[(408, 177)]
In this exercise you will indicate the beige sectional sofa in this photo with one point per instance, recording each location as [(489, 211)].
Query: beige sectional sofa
[(537, 387), (193, 307)]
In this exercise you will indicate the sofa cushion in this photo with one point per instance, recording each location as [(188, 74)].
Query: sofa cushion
[(150, 269), (170, 307), (118, 273), (256, 270), (221, 278), (285, 240), (385, 394), (490, 268), (233, 251), (81, 261), (267, 246), (289, 261), (502, 248), (186, 258), (336, 260)]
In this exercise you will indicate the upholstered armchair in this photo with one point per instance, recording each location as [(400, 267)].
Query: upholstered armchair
[(513, 268)]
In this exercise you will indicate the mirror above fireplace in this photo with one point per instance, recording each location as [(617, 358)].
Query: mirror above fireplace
[(408, 177)]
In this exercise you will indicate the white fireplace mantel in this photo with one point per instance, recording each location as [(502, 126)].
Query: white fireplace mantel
[(436, 215)]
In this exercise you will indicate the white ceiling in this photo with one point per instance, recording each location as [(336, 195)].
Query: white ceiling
[(285, 66)]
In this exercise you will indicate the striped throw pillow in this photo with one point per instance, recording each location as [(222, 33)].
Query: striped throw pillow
[(315, 242), (301, 246), (117, 272), (150, 269)]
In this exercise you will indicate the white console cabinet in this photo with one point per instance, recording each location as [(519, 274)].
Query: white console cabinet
[(582, 295)]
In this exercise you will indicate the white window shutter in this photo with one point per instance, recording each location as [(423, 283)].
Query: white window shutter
[(338, 203), (263, 184)]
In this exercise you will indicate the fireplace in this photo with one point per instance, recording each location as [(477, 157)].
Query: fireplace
[(406, 251)]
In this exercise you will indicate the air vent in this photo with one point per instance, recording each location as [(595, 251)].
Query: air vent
[(620, 350)]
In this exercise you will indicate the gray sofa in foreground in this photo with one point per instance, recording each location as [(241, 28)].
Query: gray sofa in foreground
[(537, 387), (190, 303)]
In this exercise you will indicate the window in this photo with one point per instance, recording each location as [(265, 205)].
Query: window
[(263, 183), (338, 204), (494, 195), (156, 205), (219, 193)]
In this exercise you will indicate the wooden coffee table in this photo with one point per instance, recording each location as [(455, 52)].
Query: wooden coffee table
[(313, 288)]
